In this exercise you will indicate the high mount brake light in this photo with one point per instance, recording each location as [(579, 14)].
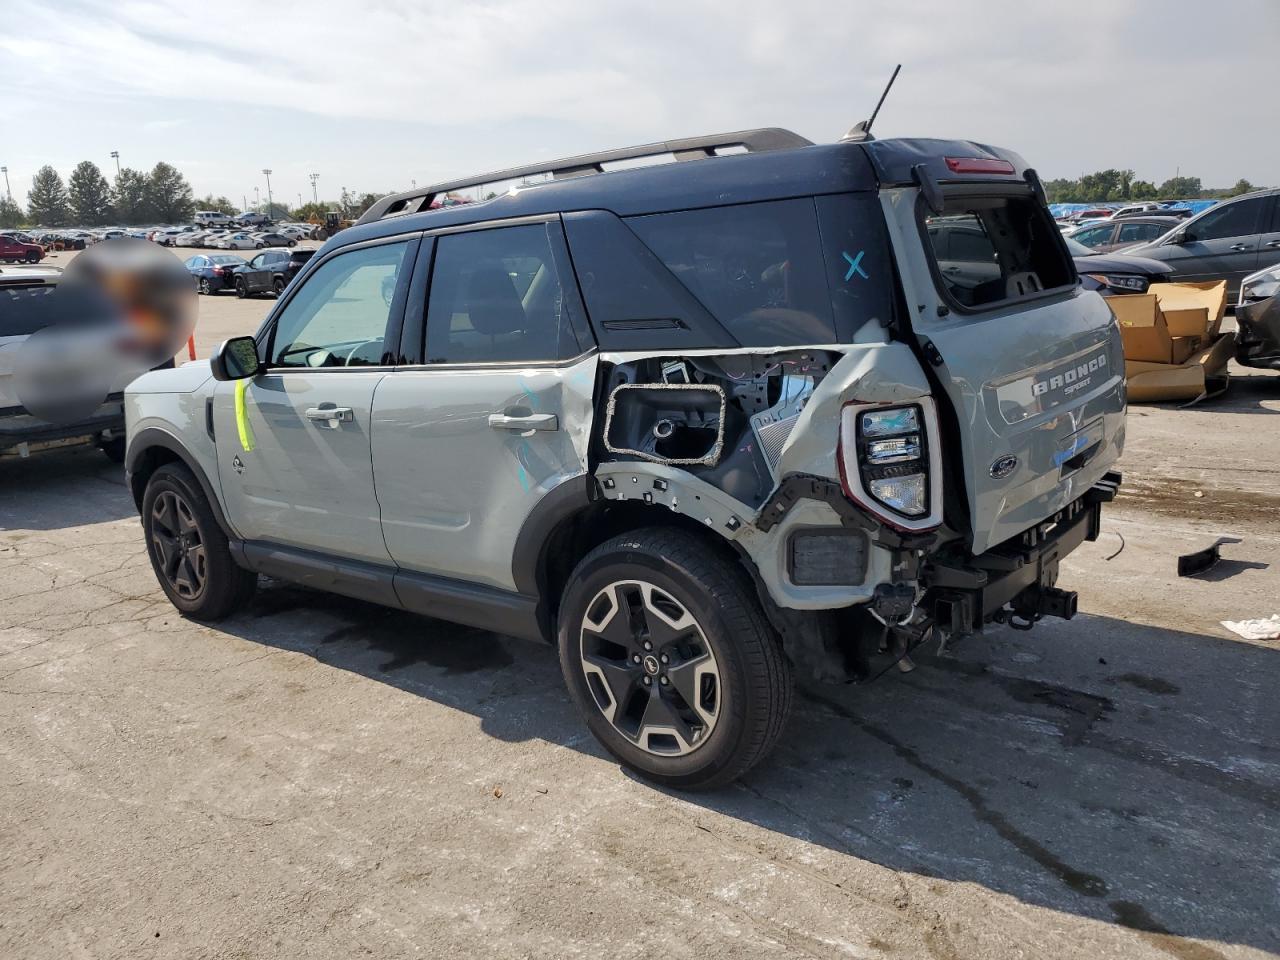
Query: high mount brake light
[(890, 462), (978, 165)]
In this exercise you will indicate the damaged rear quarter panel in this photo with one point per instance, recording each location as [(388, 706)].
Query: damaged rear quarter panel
[(880, 372)]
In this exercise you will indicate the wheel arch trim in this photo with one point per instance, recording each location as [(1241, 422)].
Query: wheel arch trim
[(153, 438)]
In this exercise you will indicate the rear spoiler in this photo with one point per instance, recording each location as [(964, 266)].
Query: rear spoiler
[(931, 188)]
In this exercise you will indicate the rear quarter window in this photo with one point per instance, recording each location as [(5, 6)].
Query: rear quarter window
[(987, 251), (780, 273)]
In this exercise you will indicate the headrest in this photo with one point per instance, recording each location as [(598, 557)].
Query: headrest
[(492, 302)]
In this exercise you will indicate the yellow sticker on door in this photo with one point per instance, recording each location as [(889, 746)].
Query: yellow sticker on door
[(242, 417)]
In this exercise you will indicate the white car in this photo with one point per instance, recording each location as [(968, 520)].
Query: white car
[(240, 241), (187, 239), (166, 238), (294, 231)]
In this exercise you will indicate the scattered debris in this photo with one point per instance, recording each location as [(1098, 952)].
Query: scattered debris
[(1119, 549), (1262, 629), (497, 792), (1197, 562)]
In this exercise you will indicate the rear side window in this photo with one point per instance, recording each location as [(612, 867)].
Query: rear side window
[(497, 297), (758, 268), (1139, 232), (993, 250)]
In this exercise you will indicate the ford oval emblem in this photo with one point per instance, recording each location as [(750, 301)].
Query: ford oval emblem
[(1003, 467)]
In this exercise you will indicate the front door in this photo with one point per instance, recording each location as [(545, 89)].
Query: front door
[(466, 445), (294, 450), (1221, 244)]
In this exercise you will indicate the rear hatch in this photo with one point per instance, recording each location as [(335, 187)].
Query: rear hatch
[(1032, 365)]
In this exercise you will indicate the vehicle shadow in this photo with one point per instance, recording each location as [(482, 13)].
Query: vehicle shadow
[(67, 487), (1100, 768)]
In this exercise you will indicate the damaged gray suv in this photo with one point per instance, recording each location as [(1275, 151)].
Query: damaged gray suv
[(773, 406)]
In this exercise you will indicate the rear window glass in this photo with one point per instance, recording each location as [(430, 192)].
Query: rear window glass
[(991, 250), (780, 273)]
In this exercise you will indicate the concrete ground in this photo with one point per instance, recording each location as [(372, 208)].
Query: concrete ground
[(321, 778)]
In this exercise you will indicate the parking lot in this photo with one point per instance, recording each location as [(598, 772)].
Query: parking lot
[(320, 777)]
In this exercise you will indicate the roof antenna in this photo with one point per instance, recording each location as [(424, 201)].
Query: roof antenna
[(862, 129)]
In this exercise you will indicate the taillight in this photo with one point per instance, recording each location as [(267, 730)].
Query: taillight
[(890, 463), (978, 165), (217, 271)]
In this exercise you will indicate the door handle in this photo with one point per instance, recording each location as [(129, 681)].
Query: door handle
[(331, 417), (1241, 247), (535, 421)]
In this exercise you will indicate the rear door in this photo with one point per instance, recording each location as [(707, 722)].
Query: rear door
[(1032, 366), (294, 452), (466, 444), (1269, 242)]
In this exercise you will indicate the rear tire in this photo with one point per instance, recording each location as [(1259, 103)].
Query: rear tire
[(114, 449), (188, 550), (241, 290), (669, 656), (204, 287), (278, 286)]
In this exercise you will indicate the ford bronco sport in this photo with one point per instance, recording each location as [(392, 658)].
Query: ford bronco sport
[(699, 423)]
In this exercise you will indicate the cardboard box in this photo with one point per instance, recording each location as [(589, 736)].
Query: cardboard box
[(1143, 328), (1202, 374), (1192, 309)]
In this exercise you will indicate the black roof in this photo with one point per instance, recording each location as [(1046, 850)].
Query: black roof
[(782, 165)]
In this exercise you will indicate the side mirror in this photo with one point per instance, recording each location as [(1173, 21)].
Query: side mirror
[(1181, 237), (235, 359)]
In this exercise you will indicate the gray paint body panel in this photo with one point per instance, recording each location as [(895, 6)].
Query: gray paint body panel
[(454, 490)]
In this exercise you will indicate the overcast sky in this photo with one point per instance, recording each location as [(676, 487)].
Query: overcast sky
[(372, 95)]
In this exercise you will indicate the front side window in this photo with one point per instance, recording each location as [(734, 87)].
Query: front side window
[(339, 316), (497, 297), (991, 250), (1238, 219)]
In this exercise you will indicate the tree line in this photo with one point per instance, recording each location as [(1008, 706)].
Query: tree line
[(163, 195), (1112, 185)]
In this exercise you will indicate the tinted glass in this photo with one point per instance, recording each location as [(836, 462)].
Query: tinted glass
[(990, 250), (1138, 232), (339, 316), (497, 296), (758, 268), (1095, 236), (1239, 219)]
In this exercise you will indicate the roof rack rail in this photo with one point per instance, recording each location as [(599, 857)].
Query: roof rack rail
[(690, 148)]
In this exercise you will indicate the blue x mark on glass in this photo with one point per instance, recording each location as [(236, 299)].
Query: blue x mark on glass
[(855, 266)]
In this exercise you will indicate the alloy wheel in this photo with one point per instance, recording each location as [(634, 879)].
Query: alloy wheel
[(649, 668), (178, 545)]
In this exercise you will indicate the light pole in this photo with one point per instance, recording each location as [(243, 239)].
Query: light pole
[(257, 199), (315, 197), (7, 192), (267, 174), (115, 155), (299, 201)]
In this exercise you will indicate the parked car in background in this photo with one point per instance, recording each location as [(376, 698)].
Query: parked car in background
[(238, 241), (248, 219), (1118, 233), (263, 274), (1137, 210), (1229, 241), (212, 218), (29, 423), (1111, 273), (1258, 320), (294, 231), (276, 239), (166, 238), (13, 250), (297, 260), (213, 271)]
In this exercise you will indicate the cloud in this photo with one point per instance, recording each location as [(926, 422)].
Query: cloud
[(455, 87)]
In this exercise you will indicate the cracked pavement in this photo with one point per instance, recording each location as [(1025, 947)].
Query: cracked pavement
[(318, 777)]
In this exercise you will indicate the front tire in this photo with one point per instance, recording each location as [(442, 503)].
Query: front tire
[(671, 660), (188, 550), (241, 290)]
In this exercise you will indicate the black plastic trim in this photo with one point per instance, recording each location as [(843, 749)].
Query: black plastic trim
[(559, 504), (153, 437), (473, 604)]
